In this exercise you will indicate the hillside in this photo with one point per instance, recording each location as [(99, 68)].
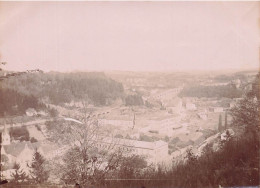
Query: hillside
[(59, 88)]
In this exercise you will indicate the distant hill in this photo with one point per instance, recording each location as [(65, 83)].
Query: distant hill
[(15, 103), (58, 88)]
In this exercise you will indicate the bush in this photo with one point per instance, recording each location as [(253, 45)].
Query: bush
[(20, 133), (32, 140), (53, 112), (134, 100), (211, 91), (38, 127)]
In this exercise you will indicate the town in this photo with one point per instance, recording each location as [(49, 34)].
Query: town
[(129, 94), (161, 116)]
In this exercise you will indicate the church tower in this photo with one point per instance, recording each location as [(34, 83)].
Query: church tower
[(5, 137)]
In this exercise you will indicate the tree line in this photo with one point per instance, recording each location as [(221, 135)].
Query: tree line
[(15, 103), (60, 88), (227, 91)]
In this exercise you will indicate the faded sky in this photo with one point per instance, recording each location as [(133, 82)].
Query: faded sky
[(136, 36)]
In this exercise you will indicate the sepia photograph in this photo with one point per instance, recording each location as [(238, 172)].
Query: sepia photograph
[(129, 94)]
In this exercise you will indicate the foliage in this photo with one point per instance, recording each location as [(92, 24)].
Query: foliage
[(148, 104), (32, 140), (131, 167), (4, 159), (15, 103), (53, 112), (19, 175), (88, 166), (226, 124), (38, 127), (38, 171), (246, 113), (20, 133), (147, 138), (227, 91), (84, 156), (134, 100), (228, 78), (235, 163), (61, 88), (220, 128), (119, 136), (256, 86)]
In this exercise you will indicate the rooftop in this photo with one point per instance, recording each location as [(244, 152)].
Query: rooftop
[(134, 143)]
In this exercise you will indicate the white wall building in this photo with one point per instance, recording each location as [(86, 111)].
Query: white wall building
[(6, 140), (216, 109), (156, 152), (115, 122), (190, 106), (31, 112), (167, 94)]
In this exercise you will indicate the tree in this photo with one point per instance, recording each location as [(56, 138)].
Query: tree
[(227, 91), (59, 88), (32, 140), (146, 138), (131, 167), (4, 159), (134, 100), (53, 112), (246, 112), (19, 175), (38, 171), (20, 133), (85, 154), (226, 125), (220, 123), (119, 136), (12, 101)]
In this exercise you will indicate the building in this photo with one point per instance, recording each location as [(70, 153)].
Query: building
[(173, 105), (162, 127), (190, 106), (232, 104), (31, 112), (236, 83), (115, 122), (21, 153), (6, 140), (202, 115), (168, 94), (42, 113), (216, 109), (155, 152)]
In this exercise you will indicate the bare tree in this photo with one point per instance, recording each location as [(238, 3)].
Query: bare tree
[(89, 156)]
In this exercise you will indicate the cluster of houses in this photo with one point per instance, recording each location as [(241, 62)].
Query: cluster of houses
[(22, 152), (18, 152), (32, 112)]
